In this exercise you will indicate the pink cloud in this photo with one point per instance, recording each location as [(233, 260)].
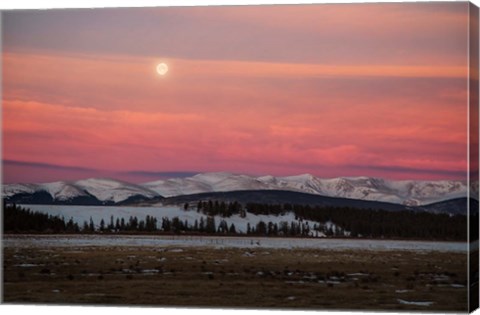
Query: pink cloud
[(249, 117)]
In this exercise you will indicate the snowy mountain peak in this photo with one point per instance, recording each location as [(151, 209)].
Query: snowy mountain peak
[(113, 190), (13, 189), (212, 177), (63, 190), (105, 190), (304, 177)]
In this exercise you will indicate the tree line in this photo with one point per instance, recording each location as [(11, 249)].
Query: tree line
[(219, 208), (376, 223), (324, 221), (18, 219), (358, 222)]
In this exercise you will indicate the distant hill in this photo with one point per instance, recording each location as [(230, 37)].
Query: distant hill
[(282, 197), (454, 206)]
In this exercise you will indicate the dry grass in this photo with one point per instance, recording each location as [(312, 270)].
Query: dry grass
[(260, 278)]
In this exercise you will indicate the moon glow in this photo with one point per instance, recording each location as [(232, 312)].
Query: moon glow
[(162, 68)]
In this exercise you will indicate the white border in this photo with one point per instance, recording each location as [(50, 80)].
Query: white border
[(77, 310), (48, 4)]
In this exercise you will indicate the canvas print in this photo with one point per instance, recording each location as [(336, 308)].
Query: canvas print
[(320, 157)]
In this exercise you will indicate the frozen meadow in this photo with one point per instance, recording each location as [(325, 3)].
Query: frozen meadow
[(81, 214), (218, 242)]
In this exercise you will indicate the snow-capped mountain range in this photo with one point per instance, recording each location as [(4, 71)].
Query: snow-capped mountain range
[(406, 192)]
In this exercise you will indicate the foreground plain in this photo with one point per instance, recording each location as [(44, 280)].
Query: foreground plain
[(300, 278)]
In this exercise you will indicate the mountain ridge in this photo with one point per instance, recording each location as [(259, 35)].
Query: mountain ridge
[(108, 191), (407, 192)]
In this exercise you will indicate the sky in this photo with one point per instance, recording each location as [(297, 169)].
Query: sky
[(328, 89)]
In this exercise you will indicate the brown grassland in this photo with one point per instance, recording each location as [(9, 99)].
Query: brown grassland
[(237, 278)]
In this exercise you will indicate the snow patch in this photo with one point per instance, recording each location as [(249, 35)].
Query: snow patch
[(414, 303)]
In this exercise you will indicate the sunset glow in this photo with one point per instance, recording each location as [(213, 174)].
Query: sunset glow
[(278, 90)]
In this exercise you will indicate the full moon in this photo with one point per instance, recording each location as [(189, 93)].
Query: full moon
[(162, 68)]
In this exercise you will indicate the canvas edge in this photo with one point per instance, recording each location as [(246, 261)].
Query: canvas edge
[(473, 153), (1, 154)]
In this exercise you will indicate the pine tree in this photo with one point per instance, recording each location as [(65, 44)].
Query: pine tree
[(210, 225), (166, 225), (111, 226), (176, 225), (199, 206), (91, 226), (261, 228), (70, 227)]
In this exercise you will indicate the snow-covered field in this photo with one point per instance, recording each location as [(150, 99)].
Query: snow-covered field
[(75, 241), (80, 214)]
